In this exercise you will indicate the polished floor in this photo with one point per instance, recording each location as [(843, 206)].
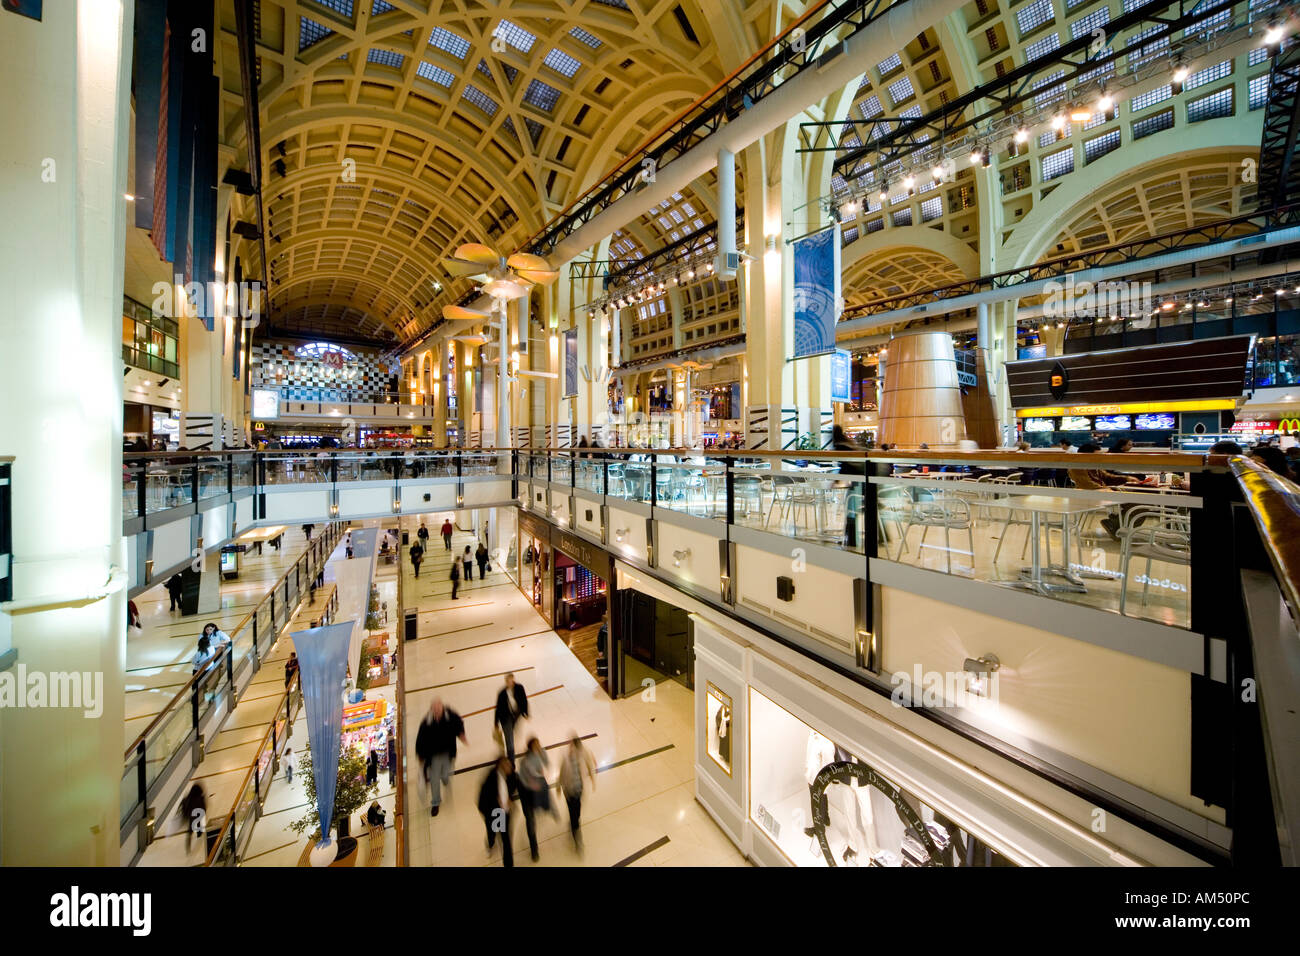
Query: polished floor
[(158, 655), (642, 811), (230, 754)]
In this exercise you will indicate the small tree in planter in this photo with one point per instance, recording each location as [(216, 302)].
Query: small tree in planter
[(372, 612), (350, 794)]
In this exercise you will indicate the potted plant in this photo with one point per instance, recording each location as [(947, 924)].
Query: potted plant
[(350, 794)]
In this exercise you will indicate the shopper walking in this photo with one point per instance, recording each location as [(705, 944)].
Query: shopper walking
[(372, 768), (194, 808), (499, 787), (290, 668), (577, 763), (133, 616), (481, 556), (306, 529), (175, 587), (390, 748), (435, 747), (446, 533), (534, 792), (417, 556), (289, 762), (202, 655), (455, 578), (512, 706), (467, 559), (423, 535)]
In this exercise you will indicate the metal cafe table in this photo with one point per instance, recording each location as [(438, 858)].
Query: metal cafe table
[(1032, 578)]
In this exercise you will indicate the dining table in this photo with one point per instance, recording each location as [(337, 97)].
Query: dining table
[(1035, 577)]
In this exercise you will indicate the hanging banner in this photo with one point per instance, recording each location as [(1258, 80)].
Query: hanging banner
[(816, 292), (840, 376), (322, 669), (570, 363)]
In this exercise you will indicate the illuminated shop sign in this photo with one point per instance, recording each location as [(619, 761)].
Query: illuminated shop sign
[(1129, 408)]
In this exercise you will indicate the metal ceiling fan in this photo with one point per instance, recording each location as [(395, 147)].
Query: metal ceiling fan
[(503, 278)]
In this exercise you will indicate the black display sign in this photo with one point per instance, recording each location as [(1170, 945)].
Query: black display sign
[(1058, 381), (845, 772)]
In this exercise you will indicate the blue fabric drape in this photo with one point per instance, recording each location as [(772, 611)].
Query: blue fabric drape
[(322, 668)]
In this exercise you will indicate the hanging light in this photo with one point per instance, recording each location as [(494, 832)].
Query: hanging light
[(908, 182), (937, 171), (1022, 134), (884, 191), (1080, 113), (1058, 122), (1106, 103), (1273, 34), (1179, 75)]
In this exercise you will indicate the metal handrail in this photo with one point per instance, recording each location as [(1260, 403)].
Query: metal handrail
[(225, 649), (252, 768), (1274, 504)]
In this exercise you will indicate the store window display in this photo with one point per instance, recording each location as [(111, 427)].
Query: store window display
[(718, 714), (835, 809)]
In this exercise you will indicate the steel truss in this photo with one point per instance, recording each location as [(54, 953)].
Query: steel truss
[(802, 47), (1063, 265)]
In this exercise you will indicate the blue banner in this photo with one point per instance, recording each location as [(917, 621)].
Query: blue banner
[(816, 292), (570, 362), (323, 669), (840, 376)]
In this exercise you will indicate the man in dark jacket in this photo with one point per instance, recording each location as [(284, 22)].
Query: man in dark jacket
[(481, 556), (512, 706), (175, 587), (500, 786), (435, 746)]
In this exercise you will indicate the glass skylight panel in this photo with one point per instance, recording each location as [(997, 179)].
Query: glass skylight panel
[(889, 65), (310, 32), (1058, 164), (435, 74), (593, 41), (677, 217), (1099, 146), (541, 95), (665, 222), (1093, 21), (341, 7), (1148, 51), (480, 99), (870, 107), (562, 63), (381, 7), (1210, 107), (1258, 90), (535, 130), (385, 57), (1257, 56), (689, 209), (1208, 75), (1040, 47), (1051, 86), (515, 35), (448, 42), (1150, 98), (901, 90), (1032, 16), (931, 209)]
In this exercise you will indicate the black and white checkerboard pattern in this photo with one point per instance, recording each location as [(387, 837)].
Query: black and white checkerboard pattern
[(367, 372)]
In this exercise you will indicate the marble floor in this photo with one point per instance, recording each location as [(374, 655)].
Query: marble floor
[(158, 656), (231, 752), (642, 810)]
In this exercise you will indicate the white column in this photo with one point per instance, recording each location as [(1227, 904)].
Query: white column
[(63, 172)]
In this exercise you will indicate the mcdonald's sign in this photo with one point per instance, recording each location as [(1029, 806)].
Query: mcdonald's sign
[(1289, 426)]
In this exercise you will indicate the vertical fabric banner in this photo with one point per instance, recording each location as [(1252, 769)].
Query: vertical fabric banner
[(816, 292), (570, 363), (322, 669), (840, 376)]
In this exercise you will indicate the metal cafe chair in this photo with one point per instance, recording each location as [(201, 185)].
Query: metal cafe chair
[(1156, 533), (942, 511)]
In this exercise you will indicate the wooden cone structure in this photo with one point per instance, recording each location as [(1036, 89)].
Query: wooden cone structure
[(921, 401)]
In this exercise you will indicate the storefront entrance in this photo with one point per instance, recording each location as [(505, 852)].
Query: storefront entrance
[(582, 594), (655, 644), (535, 564)]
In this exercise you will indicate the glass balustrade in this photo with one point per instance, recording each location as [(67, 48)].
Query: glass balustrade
[(1115, 540)]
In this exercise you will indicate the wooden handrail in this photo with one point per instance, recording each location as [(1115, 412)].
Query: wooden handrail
[(188, 687), (1128, 461), (1274, 504)]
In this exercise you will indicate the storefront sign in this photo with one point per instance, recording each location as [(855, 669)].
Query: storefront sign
[(1131, 408), (534, 526), (847, 773), (585, 553), (1058, 381), (266, 403)]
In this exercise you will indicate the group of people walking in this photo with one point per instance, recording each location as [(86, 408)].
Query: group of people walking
[(525, 781), (462, 569)]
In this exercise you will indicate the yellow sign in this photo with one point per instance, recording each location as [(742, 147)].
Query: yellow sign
[(1131, 408)]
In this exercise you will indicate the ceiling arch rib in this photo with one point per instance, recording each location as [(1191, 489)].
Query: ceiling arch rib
[(491, 119)]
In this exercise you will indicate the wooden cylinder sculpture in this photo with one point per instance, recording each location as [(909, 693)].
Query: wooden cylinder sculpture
[(921, 401)]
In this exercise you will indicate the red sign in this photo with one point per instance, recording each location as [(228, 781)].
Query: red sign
[(333, 359)]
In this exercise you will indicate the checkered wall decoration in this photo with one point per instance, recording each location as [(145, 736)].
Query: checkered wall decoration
[(363, 372)]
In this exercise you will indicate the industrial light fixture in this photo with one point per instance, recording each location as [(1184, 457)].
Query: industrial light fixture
[(1080, 113), (979, 671), (1022, 134), (680, 556), (1058, 122), (1273, 33), (979, 156), (884, 191), (937, 171), (909, 182), (1106, 104)]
